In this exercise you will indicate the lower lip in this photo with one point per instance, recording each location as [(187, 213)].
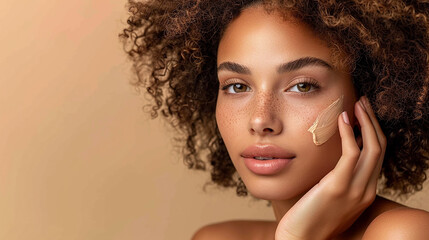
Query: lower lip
[(266, 167)]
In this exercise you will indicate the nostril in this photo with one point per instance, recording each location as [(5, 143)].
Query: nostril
[(265, 127), (268, 130)]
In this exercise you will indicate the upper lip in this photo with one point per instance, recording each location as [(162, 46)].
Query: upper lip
[(266, 151)]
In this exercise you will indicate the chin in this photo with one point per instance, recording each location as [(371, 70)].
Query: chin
[(270, 188)]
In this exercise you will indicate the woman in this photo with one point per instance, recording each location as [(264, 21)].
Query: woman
[(285, 96)]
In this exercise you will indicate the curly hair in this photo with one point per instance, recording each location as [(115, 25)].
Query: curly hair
[(173, 45)]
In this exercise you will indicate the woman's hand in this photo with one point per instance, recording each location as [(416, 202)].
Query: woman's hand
[(333, 204)]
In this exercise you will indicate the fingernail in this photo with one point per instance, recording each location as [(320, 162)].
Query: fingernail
[(345, 117)]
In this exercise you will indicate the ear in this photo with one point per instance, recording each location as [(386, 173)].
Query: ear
[(357, 133)]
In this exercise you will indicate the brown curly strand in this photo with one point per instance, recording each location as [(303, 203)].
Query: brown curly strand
[(173, 45)]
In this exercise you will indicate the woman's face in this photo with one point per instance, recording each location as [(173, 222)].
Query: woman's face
[(275, 78)]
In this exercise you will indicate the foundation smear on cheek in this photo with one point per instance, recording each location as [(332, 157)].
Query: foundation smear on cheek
[(326, 123)]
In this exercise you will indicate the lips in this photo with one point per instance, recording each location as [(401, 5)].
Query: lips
[(266, 159), (266, 151)]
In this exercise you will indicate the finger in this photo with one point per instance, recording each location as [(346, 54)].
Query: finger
[(371, 150), (380, 135), (381, 139), (350, 150)]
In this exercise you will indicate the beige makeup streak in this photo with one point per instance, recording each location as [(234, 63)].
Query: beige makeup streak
[(325, 125)]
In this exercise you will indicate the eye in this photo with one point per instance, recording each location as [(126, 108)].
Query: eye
[(236, 88), (304, 87)]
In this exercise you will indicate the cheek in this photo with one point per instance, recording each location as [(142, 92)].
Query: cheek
[(298, 118), (326, 123), (349, 108), (317, 160), (228, 121), (296, 126), (325, 158)]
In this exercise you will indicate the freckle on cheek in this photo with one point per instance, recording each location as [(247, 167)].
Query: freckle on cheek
[(325, 125), (226, 119)]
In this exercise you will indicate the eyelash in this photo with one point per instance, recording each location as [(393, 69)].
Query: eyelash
[(231, 83), (313, 84)]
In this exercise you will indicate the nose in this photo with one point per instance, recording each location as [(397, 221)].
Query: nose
[(265, 119)]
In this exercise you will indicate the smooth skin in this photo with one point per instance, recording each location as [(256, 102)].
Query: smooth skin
[(329, 191), (345, 192)]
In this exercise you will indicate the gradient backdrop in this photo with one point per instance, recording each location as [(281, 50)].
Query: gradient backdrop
[(79, 159)]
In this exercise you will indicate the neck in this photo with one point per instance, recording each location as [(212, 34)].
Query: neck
[(281, 207)]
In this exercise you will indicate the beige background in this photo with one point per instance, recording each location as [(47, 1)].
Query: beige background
[(78, 157)]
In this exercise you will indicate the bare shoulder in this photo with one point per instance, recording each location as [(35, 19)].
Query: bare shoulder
[(399, 223), (236, 229), (222, 230)]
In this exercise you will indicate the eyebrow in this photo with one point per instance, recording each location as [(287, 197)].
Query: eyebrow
[(303, 62), (286, 67), (234, 67)]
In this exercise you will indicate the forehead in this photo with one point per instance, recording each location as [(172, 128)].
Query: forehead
[(256, 35)]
